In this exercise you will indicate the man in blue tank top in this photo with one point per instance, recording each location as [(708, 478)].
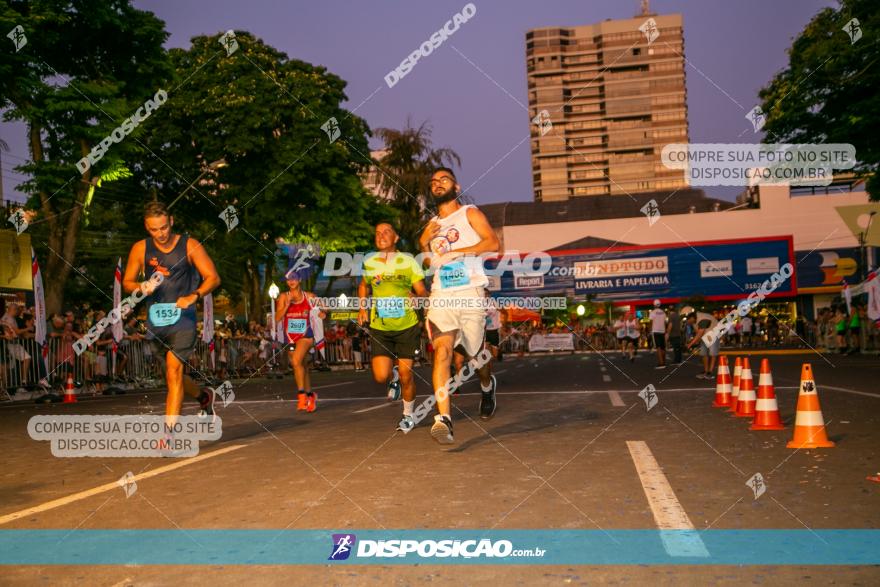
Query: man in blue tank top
[(188, 276)]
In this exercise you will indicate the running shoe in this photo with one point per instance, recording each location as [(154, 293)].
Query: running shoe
[(301, 402), (206, 402), (394, 386), (406, 424), (660, 367), (487, 401), (441, 431), (311, 401), (169, 446)]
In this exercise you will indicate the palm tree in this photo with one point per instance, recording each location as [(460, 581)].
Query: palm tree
[(405, 174)]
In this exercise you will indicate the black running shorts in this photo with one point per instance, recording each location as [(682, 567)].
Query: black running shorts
[(180, 342), (397, 344)]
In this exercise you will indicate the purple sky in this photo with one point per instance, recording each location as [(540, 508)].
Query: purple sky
[(736, 46)]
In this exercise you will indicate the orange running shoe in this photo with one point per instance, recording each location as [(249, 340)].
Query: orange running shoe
[(301, 402), (312, 401)]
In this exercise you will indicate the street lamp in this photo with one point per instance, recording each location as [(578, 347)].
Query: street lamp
[(273, 293), (581, 310), (218, 164)]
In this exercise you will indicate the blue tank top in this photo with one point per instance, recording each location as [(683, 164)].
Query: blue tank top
[(181, 278)]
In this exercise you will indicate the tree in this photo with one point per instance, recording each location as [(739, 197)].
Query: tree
[(405, 173), (86, 67), (261, 114), (828, 92)]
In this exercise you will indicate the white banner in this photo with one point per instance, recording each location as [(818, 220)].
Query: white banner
[(39, 309), (208, 318), (117, 300), (551, 342)]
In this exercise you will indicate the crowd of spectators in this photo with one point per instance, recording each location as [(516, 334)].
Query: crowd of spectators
[(246, 349)]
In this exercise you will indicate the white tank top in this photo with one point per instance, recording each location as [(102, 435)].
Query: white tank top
[(456, 233)]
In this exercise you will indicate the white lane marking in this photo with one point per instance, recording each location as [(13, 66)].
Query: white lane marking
[(113, 486), (139, 392), (845, 390), (616, 400), (333, 385), (606, 378), (668, 513), (371, 408)]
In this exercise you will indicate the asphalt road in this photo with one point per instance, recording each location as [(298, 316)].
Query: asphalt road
[(572, 446)]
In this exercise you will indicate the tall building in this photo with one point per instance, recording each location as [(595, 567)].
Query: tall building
[(614, 99)]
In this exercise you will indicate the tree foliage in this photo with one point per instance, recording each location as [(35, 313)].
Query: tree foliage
[(87, 65), (828, 92), (262, 114)]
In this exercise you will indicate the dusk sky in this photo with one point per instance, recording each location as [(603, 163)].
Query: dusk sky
[(732, 48)]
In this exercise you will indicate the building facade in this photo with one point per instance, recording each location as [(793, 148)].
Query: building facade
[(833, 235), (615, 95)]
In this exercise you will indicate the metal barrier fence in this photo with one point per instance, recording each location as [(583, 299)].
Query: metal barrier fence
[(250, 356), (136, 362)]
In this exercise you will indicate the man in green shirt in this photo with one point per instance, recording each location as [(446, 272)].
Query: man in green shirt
[(395, 332)]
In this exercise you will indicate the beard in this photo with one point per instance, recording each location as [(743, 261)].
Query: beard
[(446, 196)]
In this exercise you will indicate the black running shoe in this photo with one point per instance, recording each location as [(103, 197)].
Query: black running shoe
[(441, 431), (487, 401), (206, 402)]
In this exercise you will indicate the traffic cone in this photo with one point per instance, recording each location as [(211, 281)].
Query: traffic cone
[(69, 391), (722, 384), (766, 408), (809, 426), (745, 401), (734, 392)]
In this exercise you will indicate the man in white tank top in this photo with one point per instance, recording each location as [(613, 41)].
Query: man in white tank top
[(456, 238)]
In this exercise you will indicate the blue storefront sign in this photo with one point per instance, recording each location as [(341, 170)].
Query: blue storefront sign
[(720, 270)]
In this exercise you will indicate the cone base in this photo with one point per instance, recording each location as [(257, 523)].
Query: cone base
[(805, 444), (766, 427), (68, 400), (715, 404), (752, 415)]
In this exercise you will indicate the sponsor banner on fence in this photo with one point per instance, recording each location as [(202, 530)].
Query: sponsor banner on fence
[(551, 342)]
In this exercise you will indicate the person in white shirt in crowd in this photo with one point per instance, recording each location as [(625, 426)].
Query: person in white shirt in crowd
[(12, 332), (620, 331), (658, 333), (628, 333)]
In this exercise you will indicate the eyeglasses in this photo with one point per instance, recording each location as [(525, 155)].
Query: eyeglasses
[(443, 179)]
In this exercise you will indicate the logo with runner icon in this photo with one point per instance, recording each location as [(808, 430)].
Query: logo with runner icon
[(342, 546)]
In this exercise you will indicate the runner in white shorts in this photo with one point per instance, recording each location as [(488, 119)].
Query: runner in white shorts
[(457, 316)]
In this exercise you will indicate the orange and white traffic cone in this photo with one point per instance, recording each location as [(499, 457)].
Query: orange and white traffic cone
[(745, 401), (69, 391), (722, 384), (734, 391), (809, 426), (766, 408)]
